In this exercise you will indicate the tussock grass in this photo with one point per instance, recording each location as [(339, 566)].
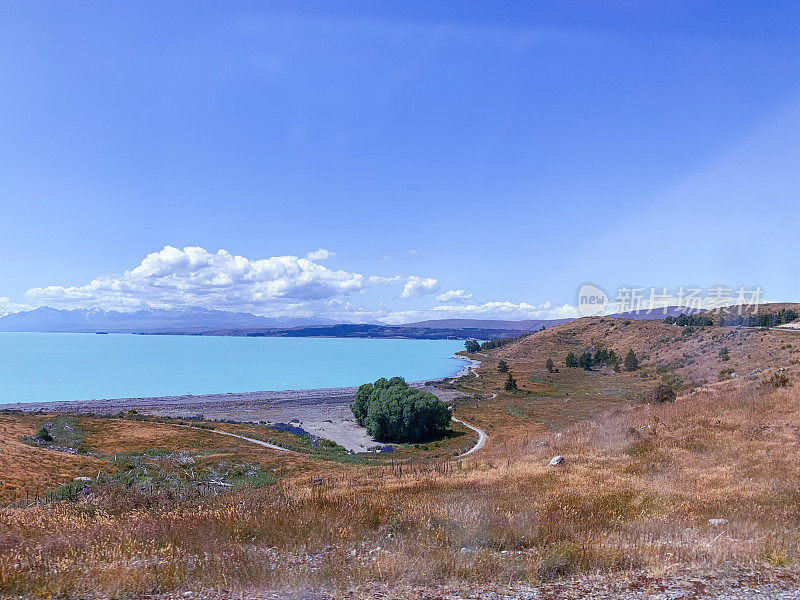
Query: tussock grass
[(637, 490)]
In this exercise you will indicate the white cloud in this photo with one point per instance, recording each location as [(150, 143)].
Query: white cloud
[(488, 310), (195, 277), (7, 306), (320, 254), (378, 280), (454, 296), (417, 287), (274, 286)]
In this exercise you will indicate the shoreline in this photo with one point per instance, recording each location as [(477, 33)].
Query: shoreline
[(321, 411)]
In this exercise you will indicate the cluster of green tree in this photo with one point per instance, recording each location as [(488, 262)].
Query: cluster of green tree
[(499, 343), (475, 346), (602, 357), (786, 315), (689, 320), (472, 346), (394, 412), (502, 367)]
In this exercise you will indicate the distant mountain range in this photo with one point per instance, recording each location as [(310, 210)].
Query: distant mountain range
[(194, 321), (537, 324), (190, 320)]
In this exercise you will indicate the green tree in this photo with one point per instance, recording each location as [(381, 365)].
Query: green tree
[(631, 362), (472, 346), (572, 360), (502, 366), (724, 354), (44, 435), (511, 383), (613, 360), (394, 412), (586, 361), (550, 365), (601, 356)]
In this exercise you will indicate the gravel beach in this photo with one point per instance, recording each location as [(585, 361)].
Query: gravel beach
[(324, 412)]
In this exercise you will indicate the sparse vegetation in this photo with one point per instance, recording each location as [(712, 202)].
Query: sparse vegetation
[(572, 360), (766, 319), (44, 435), (663, 393), (690, 320), (631, 361), (640, 488), (511, 384), (779, 379)]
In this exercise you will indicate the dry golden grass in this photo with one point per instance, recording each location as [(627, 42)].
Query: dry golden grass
[(25, 469), (662, 349), (624, 499), (637, 490)]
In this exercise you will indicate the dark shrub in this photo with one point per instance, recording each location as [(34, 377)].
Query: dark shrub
[(44, 435), (663, 393), (777, 380), (393, 412), (555, 566)]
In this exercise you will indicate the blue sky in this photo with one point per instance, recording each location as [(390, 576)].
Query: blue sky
[(504, 152)]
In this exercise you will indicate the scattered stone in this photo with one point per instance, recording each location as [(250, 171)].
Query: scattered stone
[(185, 461), (83, 479), (558, 436), (717, 522), (557, 461), (542, 444)]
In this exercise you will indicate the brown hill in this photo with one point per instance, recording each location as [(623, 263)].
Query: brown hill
[(692, 355)]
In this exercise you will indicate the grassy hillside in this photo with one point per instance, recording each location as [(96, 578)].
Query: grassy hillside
[(691, 354), (633, 498)]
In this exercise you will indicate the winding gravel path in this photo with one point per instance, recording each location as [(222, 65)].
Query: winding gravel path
[(241, 437), (481, 437)]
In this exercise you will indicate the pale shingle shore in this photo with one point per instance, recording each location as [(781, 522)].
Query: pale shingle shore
[(324, 412)]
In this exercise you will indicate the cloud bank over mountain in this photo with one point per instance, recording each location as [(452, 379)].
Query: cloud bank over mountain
[(287, 286)]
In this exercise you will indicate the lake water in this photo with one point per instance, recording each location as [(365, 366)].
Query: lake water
[(40, 367)]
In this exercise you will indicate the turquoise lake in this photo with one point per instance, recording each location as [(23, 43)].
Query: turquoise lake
[(42, 367)]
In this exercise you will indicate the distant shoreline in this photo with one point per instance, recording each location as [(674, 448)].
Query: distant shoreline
[(322, 411), (307, 396)]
